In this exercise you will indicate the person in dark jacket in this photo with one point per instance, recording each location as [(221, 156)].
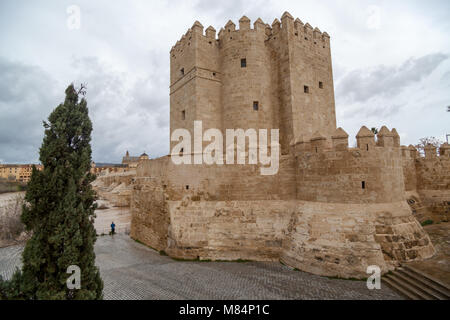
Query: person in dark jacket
[(113, 228)]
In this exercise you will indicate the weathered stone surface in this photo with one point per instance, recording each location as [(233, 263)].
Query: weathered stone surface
[(330, 209)]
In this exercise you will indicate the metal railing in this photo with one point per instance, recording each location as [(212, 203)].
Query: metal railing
[(119, 229)]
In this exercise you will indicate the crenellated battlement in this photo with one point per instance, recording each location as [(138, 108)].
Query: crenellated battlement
[(188, 38), (302, 32), (329, 171), (430, 152), (367, 141), (240, 78), (329, 209)]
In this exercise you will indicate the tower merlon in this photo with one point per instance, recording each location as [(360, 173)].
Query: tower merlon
[(317, 33), (210, 32), (430, 151), (276, 26), (244, 23), (444, 150), (286, 20), (299, 25), (365, 138), (396, 137), (197, 27), (413, 151), (230, 26), (259, 24), (287, 15), (340, 139), (308, 31), (385, 138)]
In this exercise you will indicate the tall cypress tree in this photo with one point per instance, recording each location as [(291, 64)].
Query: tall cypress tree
[(60, 210)]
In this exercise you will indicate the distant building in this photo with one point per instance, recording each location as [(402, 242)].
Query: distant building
[(103, 168), (143, 156), (17, 172), (133, 161)]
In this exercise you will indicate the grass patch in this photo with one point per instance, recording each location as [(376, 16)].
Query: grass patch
[(427, 223)]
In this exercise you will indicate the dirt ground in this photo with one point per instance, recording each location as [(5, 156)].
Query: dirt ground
[(439, 265), (120, 215), (7, 203)]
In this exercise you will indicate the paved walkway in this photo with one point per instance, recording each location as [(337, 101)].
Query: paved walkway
[(133, 271)]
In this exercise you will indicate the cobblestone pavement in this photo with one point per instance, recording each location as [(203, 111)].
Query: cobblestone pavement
[(132, 271)]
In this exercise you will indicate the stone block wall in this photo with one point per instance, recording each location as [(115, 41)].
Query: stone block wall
[(348, 175), (429, 179), (330, 210), (115, 187), (284, 68)]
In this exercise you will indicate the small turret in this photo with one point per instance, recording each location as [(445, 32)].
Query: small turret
[(385, 138), (365, 139), (340, 139)]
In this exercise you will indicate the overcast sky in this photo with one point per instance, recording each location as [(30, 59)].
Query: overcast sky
[(391, 63)]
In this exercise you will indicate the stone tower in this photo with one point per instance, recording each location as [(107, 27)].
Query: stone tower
[(265, 77), (330, 209)]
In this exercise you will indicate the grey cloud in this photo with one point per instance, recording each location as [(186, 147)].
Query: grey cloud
[(362, 85), (223, 8), (27, 95), (126, 114)]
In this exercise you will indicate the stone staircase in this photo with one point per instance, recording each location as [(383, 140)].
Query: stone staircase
[(416, 285)]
